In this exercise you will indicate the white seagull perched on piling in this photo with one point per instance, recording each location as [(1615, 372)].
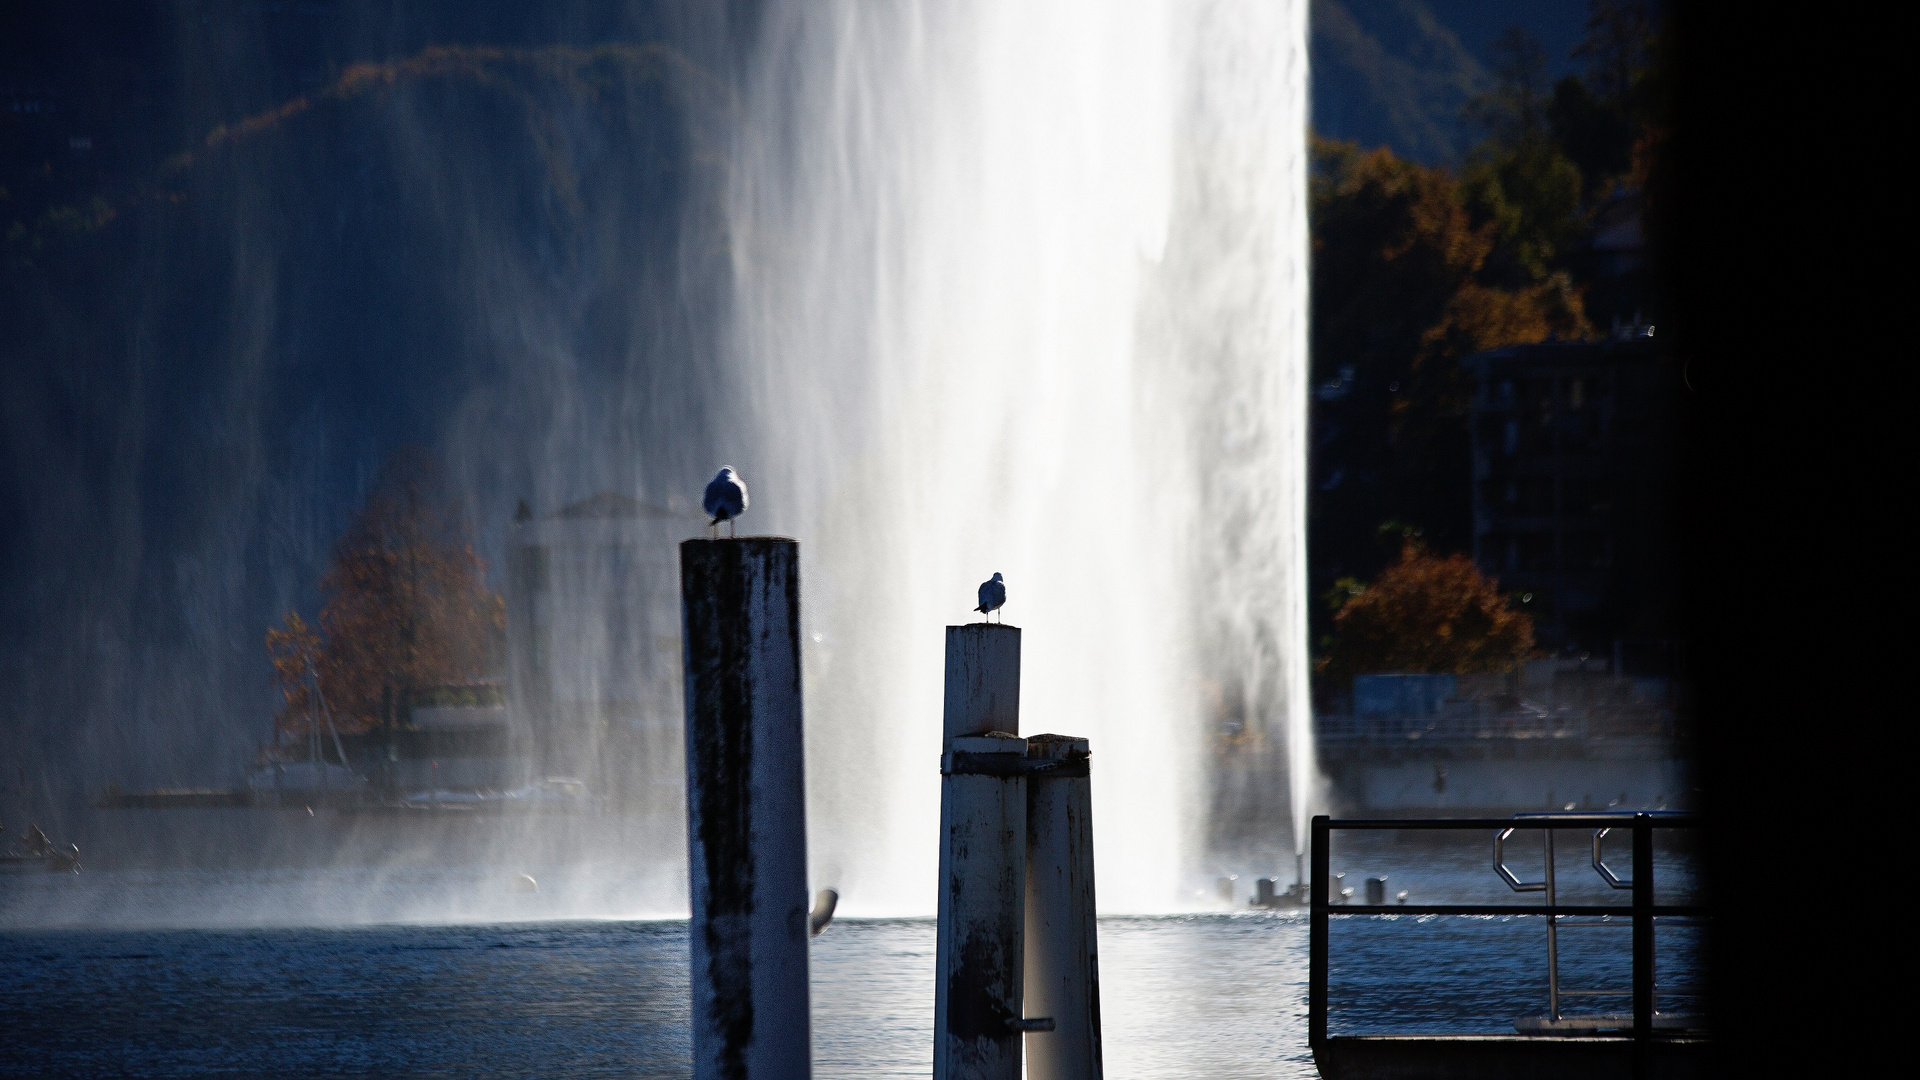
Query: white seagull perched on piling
[(726, 500), (993, 594)]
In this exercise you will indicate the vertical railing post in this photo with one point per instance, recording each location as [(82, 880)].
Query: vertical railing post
[(1642, 930), (1317, 938), (746, 809), (1553, 939)]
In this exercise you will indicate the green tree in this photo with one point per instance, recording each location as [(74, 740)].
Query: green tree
[(1519, 179), (1530, 193), (1596, 120)]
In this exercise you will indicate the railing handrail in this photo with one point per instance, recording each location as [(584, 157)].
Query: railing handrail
[(1660, 911), (1563, 724), (1642, 910), (1545, 819)]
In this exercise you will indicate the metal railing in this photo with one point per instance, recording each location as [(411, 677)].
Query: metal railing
[(1641, 911), (1336, 728), (1575, 726)]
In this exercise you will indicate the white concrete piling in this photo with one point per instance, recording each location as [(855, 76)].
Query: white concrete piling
[(746, 809), (983, 680), (978, 1017), (977, 1000), (1061, 948)]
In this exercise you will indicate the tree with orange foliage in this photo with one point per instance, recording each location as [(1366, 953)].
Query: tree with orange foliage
[(1426, 613), (406, 607), (1402, 292)]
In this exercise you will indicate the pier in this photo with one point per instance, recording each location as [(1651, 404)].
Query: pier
[(1643, 1042)]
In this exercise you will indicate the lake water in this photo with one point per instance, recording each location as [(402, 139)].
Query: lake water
[(87, 990)]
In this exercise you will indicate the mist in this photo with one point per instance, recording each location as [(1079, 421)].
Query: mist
[(956, 292)]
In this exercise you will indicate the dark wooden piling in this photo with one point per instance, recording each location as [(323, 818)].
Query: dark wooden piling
[(746, 809)]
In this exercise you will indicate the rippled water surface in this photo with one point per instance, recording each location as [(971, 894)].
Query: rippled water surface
[(1219, 995)]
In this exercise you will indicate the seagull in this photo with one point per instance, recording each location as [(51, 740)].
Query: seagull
[(992, 594), (726, 500)]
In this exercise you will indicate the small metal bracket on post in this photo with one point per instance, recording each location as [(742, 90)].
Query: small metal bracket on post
[(1600, 864), (1032, 1024)]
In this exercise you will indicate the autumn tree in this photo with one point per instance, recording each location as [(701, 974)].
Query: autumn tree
[(405, 607), (1426, 613), (1402, 292), (1417, 267)]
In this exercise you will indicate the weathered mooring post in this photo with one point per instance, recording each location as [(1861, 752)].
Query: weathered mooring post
[(746, 809), (978, 1011), (983, 681), (1062, 954)]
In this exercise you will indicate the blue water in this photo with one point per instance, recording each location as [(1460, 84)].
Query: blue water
[(1220, 994), (578, 999), (1214, 995)]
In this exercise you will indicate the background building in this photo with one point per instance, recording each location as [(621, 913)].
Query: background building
[(1558, 734), (593, 645), (1573, 444)]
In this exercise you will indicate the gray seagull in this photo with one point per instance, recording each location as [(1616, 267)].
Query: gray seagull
[(726, 500), (993, 594)]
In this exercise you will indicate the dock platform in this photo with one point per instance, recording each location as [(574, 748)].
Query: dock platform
[(1643, 1043)]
